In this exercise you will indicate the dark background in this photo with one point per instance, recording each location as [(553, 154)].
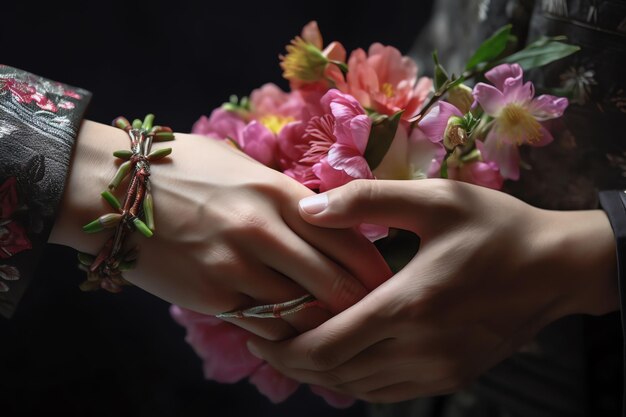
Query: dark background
[(97, 354)]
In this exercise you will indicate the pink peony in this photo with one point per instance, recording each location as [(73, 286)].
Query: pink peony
[(222, 124), (270, 100), (222, 347), (385, 81), (518, 116)]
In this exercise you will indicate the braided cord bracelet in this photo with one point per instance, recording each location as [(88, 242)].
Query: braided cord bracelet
[(104, 270)]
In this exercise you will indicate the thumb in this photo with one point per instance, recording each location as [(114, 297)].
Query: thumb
[(398, 204)]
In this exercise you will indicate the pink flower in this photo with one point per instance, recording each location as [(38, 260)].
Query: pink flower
[(385, 81), (518, 116), (222, 124), (486, 174), (482, 171), (226, 359), (221, 345), (274, 385), (271, 100), (328, 150), (253, 138), (434, 123), (309, 68)]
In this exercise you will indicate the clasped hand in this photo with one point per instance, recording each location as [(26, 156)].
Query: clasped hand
[(491, 272)]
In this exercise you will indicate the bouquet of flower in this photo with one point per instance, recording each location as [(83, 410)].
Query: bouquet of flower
[(369, 116)]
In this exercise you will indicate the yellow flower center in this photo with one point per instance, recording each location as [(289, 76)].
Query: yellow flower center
[(304, 61), (387, 90), (275, 123), (517, 123)]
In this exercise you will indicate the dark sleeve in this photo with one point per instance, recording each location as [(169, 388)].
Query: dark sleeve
[(39, 121), (614, 204)]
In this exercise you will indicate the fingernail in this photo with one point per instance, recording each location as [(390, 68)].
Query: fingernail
[(253, 349), (314, 204)]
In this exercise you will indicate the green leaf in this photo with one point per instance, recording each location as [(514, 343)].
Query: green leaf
[(491, 48), (541, 53), (441, 75), (382, 134)]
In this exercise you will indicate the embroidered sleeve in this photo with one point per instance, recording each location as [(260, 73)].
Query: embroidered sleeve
[(39, 120)]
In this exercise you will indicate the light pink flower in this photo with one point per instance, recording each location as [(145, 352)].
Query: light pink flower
[(223, 350), (221, 124), (221, 345), (482, 172), (269, 99), (253, 138), (518, 116), (434, 123), (271, 383), (486, 174), (385, 81)]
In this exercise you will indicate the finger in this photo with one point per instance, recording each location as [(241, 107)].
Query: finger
[(265, 286), (270, 329), (409, 205), (341, 246), (372, 360), (293, 257), (329, 345), (401, 391)]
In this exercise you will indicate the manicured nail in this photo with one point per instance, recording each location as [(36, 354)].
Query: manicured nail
[(255, 352), (314, 204)]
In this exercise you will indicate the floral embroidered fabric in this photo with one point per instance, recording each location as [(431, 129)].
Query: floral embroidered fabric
[(39, 120)]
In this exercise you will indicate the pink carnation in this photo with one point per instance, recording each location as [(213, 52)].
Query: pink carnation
[(385, 81), (226, 359)]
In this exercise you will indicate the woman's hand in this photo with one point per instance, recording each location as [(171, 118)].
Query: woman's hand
[(228, 233), (490, 273)]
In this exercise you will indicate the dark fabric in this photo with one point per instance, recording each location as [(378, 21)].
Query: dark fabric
[(39, 121), (614, 204), (574, 366)]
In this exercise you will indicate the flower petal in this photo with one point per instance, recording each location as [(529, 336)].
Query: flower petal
[(546, 107), (434, 123), (500, 74), (273, 384), (349, 160), (503, 153), (490, 98)]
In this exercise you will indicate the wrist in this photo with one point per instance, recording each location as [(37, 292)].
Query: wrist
[(582, 261), (91, 168)]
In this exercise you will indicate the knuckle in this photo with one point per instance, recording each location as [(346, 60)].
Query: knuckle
[(345, 291), (320, 358)]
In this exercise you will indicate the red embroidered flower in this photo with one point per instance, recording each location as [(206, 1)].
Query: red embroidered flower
[(25, 92), (13, 238)]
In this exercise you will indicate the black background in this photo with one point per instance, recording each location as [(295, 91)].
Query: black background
[(97, 354)]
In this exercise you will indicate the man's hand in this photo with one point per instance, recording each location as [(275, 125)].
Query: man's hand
[(490, 273)]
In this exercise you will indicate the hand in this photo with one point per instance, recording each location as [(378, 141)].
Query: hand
[(490, 273), (228, 233)]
